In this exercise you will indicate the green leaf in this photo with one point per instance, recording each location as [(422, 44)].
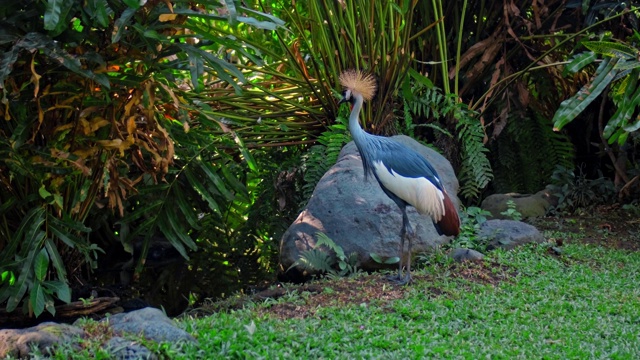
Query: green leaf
[(175, 234), (122, 22), (187, 210), (150, 207), (573, 106), (52, 14), (41, 264), (56, 16), (323, 239), (231, 8), (611, 49), (134, 4), (626, 107), (251, 162), (239, 188), (579, 62), (8, 277), (37, 298), (56, 259), (213, 177), (40, 42), (62, 290), (201, 189), (43, 192), (69, 223), (313, 259), (388, 261), (7, 60), (196, 68), (102, 12), (265, 25)]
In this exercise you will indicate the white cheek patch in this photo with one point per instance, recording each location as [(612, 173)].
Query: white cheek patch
[(419, 192)]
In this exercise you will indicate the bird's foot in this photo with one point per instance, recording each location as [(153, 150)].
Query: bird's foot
[(399, 279)]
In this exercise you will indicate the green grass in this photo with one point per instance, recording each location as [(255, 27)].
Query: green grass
[(584, 304)]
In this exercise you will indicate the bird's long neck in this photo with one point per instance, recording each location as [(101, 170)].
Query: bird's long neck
[(359, 135), (354, 123)]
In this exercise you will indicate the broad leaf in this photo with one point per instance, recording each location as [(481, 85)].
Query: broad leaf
[(37, 298), (579, 62), (377, 258), (231, 8), (101, 11), (122, 22), (6, 63), (187, 210), (52, 14), (626, 107), (41, 264), (213, 177), (56, 16), (201, 189), (56, 259), (62, 290), (611, 49), (573, 106)]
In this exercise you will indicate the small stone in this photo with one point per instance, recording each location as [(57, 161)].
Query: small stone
[(150, 322), (122, 349), (528, 205), (508, 234), (461, 255)]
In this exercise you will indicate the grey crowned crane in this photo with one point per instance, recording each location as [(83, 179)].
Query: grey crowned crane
[(403, 174)]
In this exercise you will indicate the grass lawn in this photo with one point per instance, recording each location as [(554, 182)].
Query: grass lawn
[(527, 303), (580, 300)]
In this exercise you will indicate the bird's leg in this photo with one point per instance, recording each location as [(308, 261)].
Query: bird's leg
[(406, 231), (401, 252)]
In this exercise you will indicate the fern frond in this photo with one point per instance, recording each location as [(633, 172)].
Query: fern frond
[(323, 239), (529, 151), (320, 157), (476, 172)]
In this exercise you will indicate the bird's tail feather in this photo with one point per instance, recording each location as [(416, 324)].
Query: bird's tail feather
[(449, 225)]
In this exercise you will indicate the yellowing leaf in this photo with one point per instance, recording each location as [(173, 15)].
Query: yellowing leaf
[(35, 78), (97, 123), (131, 125), (134, 100), (167, 17), (110, 144)]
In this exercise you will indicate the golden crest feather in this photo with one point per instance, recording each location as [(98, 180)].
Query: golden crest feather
[(359, 82)]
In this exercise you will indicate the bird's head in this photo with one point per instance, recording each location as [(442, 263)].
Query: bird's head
[(357, 84)]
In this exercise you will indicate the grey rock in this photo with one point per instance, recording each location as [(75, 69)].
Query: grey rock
[(152, 323), (528, 205), (122, 349), (18, 342), (359, 216), (461, 255), (508, 234)]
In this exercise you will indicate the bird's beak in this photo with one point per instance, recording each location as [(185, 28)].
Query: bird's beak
[(342, 101)]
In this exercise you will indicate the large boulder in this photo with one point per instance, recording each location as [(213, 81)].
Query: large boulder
[(358, 216), (18, 342)]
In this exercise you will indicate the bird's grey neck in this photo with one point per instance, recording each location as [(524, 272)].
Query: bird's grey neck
[(354, 123), (359, 136)]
